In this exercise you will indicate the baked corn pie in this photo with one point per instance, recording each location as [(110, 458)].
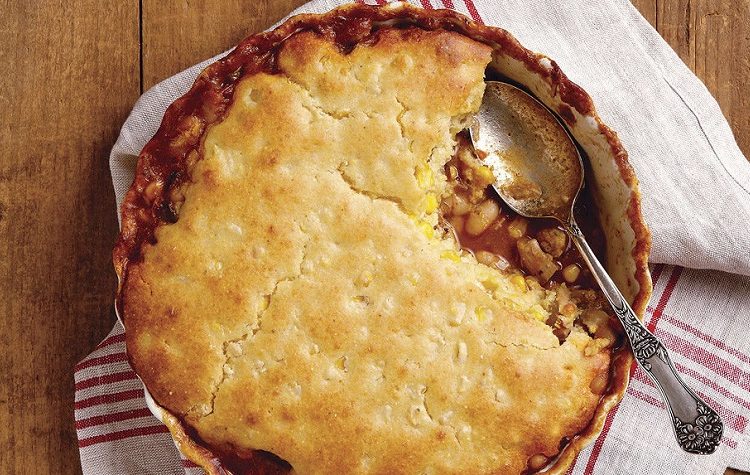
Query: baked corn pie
[(315, 278)]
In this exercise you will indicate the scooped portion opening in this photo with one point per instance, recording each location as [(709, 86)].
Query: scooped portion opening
[(535, 252)]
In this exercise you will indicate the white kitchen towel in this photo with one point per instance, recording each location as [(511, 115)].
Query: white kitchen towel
[(696, 195)]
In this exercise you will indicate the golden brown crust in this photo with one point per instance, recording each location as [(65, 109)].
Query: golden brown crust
[(164, 161)]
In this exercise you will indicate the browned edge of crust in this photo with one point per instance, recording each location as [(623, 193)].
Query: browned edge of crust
[(189, 447), (141, 215)]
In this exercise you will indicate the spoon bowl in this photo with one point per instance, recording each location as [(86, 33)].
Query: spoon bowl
[(512, 126), (539, 173)]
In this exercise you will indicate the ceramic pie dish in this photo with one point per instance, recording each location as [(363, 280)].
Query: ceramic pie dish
[(308, 279)]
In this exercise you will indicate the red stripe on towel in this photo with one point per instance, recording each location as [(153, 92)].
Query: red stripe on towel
[(105, 379), (123, 434), (119, 338), (708, 360), (109, 398), (473, 11), (102, 360), (707, 338), (665, 296), (712, 384), (113, 417)]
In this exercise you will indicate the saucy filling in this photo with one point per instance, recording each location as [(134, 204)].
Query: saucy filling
[(535, 250)]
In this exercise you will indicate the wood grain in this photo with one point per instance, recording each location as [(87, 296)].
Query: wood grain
[(647, 8), (81, 68), (175, 37), (70, 76), (713, 38)]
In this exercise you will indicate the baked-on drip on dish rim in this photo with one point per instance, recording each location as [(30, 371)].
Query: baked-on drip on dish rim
[(303, 278)]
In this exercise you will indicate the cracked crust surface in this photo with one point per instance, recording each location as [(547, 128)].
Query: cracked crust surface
[(300, 305)]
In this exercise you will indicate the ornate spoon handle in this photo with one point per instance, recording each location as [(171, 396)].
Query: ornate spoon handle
[(697, 427)]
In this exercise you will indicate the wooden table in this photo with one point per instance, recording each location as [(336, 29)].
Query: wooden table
[(72, 71)]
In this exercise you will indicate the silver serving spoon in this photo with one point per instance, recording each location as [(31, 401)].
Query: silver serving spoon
[(539, 173)]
